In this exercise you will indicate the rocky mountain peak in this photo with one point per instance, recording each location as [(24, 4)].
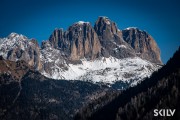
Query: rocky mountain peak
[(132, 28), (84, 41), (16, 36), (79, 41), (81, 23), (111, 39), (56, 37), (143, 44), (18, 47), (80, 27), (106, 28)]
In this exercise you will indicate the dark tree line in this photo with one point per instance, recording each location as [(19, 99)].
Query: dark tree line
[(42, 98), (161, 90)]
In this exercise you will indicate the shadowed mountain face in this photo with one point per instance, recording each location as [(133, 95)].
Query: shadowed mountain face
[(160, 91)]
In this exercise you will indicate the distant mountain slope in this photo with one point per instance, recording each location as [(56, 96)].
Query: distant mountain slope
[(26, 94), (19, 47), (160, 91)]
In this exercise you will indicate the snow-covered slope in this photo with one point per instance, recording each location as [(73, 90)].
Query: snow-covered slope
[(52, 61), (106, 70)]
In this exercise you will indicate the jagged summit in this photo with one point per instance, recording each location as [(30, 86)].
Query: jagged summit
[(82, 22), (17, 36), (104, 19), (143, 44), (13, 34), (134, 28), (19, 47), (104, 24), (79, 41), (129, 28), (111, 39)]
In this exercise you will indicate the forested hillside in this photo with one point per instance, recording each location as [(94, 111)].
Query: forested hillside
[(160, 91)]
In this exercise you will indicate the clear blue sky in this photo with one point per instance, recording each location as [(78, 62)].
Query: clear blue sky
[(38, 18)]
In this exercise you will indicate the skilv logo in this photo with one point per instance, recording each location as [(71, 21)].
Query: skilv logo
[(164, 112)]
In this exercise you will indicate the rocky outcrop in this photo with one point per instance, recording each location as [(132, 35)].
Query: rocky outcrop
[(143, 44), (106, 29), (79, 41), (52, 58), (111, 39), (84, 40), (18, 47), (57, 38), (12, 71)]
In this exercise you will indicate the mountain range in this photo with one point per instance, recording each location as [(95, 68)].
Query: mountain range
[(100, 54)]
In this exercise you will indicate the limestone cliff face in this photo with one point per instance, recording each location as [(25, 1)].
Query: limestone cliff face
[(84, 41), (111, 39), (143, 44), (105, 39), (106, 29), (79, 41), (57, 38), (34, 54)]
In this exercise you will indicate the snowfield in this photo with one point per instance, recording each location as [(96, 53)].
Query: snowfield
[(106, 70)]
